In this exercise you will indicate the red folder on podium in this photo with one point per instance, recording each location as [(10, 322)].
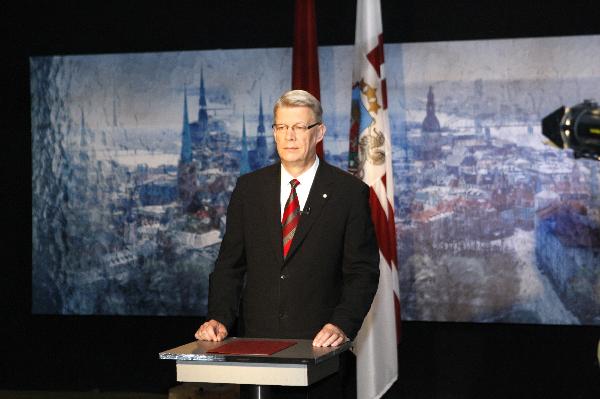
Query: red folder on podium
[(252, 347)]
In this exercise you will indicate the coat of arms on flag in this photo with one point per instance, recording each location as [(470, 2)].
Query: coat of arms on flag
[(370, 159)]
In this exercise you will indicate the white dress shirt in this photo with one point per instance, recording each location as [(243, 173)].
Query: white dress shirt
[(306, 180)]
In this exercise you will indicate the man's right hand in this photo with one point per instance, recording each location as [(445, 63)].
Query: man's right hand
[(211, 330)]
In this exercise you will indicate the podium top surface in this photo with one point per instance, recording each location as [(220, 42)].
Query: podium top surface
[(301, 353)]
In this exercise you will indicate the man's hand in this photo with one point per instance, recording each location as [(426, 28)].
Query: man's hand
[(330, 335), (211, 330)]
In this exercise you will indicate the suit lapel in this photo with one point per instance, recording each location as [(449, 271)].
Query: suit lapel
[(272, 211), (317, 198)]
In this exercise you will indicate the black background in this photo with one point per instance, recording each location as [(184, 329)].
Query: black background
[(437, 360)]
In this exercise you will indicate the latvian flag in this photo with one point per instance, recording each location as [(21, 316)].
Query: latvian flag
[(370, 159)]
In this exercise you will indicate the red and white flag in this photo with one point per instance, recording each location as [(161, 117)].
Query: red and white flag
[(370, 158), (305, 55)]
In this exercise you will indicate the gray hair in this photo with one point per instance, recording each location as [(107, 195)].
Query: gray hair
[(300, 98)]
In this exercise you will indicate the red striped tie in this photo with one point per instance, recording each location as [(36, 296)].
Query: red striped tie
[(291, 216)]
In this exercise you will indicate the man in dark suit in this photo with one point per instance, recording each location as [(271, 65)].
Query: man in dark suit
[(304, 271)]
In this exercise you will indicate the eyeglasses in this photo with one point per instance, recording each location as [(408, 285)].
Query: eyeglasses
[(298, 128)]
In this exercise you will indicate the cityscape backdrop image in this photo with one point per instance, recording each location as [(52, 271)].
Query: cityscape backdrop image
[(135, 156)]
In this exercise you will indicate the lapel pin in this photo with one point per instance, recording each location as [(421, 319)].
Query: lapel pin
[(324, 195)]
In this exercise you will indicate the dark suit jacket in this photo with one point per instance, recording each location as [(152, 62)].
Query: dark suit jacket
[(331, 272)]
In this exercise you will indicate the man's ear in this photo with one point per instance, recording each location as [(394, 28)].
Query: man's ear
[(321, 133)]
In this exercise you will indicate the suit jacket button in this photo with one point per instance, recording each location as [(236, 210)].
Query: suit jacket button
[(282, 315), (283, 276)]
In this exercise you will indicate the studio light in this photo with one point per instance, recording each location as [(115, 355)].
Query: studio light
[(576, 128)]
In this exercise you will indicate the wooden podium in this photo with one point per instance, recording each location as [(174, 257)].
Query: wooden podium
[(298, 365)]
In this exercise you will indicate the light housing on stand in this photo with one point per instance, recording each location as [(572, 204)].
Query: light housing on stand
[(576, 128)]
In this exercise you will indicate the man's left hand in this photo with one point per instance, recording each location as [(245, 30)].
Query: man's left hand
[(330, 335)]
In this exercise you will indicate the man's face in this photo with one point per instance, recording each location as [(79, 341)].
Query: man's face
[(297, 149)]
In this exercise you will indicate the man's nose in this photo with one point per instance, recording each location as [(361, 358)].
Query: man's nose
[(289, 133)]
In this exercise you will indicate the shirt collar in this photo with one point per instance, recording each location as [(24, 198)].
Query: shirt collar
[(306, 178)]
